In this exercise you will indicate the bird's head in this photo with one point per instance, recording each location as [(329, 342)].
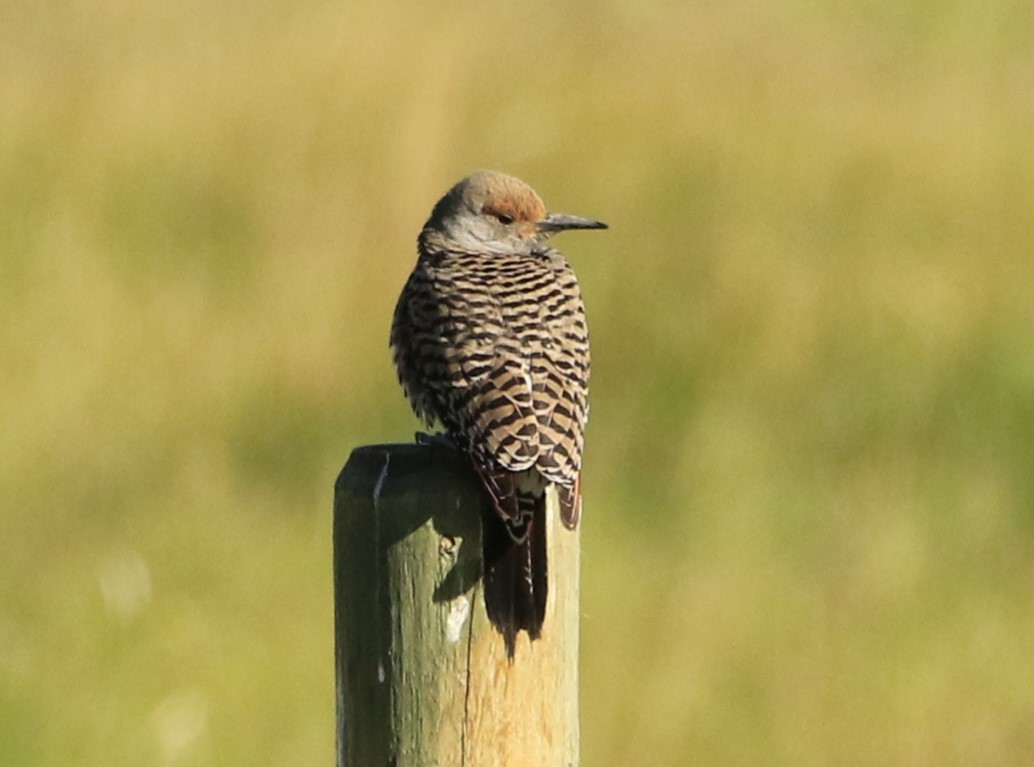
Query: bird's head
[(494, 212)]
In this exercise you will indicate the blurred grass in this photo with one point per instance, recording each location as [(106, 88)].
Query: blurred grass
[(810, 504)]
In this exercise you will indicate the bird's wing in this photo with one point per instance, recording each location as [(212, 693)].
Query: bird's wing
[(467, 370), (560, 376)]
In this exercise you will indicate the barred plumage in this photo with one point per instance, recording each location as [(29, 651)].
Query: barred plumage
[(490, 340)]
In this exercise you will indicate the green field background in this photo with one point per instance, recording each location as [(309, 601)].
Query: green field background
[(809, 481)]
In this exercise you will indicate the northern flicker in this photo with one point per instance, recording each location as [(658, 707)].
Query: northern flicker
[(490, 340)]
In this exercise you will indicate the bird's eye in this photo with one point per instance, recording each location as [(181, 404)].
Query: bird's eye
[(502, 218)]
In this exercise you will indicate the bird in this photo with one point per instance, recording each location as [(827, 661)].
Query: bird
[(490, 340)]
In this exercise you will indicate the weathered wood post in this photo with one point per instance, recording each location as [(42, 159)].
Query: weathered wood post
[(422, 677)]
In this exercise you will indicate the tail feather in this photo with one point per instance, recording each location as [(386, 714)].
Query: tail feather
[(516, 581), (570, 497)]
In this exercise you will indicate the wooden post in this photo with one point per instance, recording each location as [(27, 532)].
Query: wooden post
[(422, 677)]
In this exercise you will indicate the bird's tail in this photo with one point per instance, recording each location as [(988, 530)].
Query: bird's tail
[(516, 570)]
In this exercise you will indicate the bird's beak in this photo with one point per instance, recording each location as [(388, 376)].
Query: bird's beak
[(558, 222)]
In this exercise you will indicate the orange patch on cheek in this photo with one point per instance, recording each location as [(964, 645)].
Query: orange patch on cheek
[(503, 208), (517, 209), (530, 210)]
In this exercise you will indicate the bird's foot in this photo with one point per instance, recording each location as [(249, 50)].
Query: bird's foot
[(435, 440)]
